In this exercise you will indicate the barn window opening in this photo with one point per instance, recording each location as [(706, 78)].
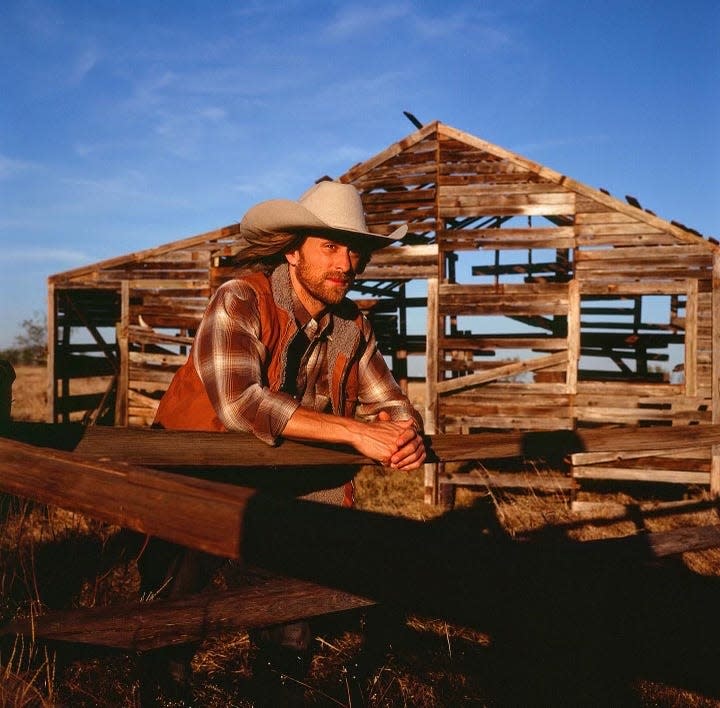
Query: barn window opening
[(509, 250), (632, 337)]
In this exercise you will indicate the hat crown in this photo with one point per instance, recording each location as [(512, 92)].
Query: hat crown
[(336, 204), (327, 207)]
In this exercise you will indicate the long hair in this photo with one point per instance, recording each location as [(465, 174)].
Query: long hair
[(264, 250)]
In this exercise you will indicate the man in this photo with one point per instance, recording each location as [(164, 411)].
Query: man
[(282, 353)]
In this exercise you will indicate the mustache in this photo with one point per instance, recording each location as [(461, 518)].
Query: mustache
[(346, 276)]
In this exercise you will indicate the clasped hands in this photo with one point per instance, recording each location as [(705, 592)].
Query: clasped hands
[(394, 443)]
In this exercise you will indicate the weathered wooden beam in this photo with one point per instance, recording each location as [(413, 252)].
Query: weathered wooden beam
[(635, 474), (187, 510), (141, 626), (193, 450), (512, 480), (501, 372)]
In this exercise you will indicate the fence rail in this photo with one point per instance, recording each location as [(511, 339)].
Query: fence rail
[(317, 558)]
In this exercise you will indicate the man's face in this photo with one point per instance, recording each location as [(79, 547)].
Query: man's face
[(322, 271)]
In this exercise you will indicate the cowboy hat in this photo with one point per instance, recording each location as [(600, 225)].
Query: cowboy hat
[(328, 207)]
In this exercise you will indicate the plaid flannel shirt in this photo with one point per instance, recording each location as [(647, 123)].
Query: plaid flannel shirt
[(228, 356)]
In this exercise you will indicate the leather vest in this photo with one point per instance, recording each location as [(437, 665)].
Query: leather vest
[(186, 405)]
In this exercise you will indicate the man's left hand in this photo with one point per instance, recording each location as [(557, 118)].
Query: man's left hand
[(410, 453)]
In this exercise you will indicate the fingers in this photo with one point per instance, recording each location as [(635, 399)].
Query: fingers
[(406, 451), (410, 455)]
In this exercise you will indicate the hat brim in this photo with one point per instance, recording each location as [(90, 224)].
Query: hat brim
[(287, 215)]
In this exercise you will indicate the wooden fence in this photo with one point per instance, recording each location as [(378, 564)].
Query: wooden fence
[(308, 558)]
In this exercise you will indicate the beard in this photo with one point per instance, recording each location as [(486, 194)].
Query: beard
[(328, 287)]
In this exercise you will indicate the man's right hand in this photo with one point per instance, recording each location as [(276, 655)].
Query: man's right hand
[(394, 444)]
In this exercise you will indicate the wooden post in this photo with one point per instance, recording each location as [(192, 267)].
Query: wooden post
[(431, 374), (401, 354), (573, 337), (123, 380), (50, 370), (715, 463), (63, 414), (691, 338)]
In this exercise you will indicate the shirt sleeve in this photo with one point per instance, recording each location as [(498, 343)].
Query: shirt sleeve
[(229, 357), (378, 389)]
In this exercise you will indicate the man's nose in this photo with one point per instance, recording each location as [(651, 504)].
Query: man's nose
[(343, 259)]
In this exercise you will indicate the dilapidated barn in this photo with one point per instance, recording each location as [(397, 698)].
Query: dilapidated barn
[(549, 304)]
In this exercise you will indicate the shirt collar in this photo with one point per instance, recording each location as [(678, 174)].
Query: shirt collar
[(306, 322)]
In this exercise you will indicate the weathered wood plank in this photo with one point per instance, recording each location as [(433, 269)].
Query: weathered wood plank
[(604, 217), (472, 239), (145, 335), (530, 424), (153, 380), (635, 239), (691, 265), (562, 209), (190, 243), (619, 227), (151, 358), (646, 286), (663, 254), (382, 200), (601, 414), (196, 513), (195, 450), (503, 341), (500, 372), (509, 191), (141, 626), (512, 480), (592, 458), (634, 474)]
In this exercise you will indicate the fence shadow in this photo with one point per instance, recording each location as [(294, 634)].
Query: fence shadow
[(571, 623)]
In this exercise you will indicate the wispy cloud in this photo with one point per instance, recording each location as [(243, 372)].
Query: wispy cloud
[(41, 19), (82, 64), (344, 95), (10, 167), (486, 30), (41, 254), (125, 190), (358, 20), (420, 23)]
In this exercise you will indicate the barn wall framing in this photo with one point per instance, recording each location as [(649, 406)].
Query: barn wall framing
[(537, 296)]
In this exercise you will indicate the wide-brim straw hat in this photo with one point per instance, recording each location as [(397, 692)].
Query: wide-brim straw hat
[(328, 208)]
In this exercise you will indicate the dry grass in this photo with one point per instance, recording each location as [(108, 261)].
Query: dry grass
[(29, 394), (51, 558)]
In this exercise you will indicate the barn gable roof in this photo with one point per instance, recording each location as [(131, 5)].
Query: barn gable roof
[(391, 166), (407, 171)]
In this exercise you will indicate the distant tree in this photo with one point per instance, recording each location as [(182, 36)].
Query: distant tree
[(31, 345)]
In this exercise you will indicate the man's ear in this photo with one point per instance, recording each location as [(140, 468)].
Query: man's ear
[(292, 257)]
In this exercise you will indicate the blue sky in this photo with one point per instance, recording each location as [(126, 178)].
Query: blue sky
[(124, 125)]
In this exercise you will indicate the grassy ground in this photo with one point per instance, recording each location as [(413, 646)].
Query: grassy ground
[(560, 631)]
